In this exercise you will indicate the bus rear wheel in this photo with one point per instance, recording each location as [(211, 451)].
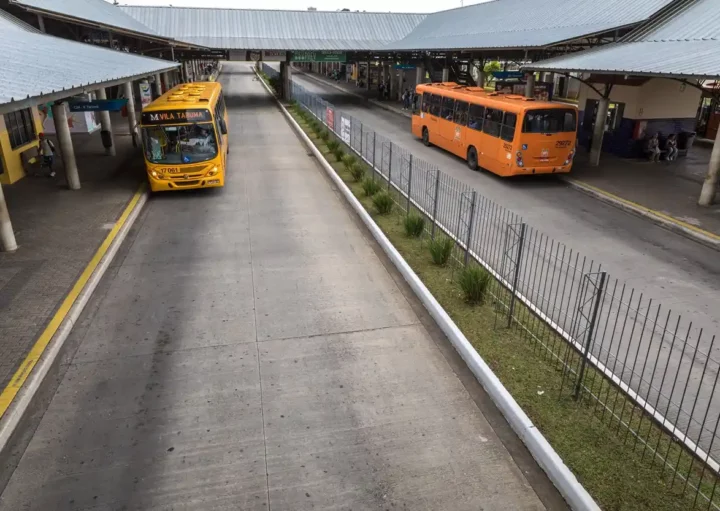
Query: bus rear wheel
[(426, 137), (472, 158)]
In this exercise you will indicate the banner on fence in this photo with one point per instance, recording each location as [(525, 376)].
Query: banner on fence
[(330, 118), (345, 129)]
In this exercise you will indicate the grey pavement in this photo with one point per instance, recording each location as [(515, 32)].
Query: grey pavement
[(58, 232), (250, 350), (667, 271)]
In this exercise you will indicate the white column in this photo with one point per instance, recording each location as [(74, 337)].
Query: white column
[(7, 235), (419, 74), (401, 75), (62, 131), (481, 78), (530, 86), (599, 131), (158, 85), (446, 74), (286, 78), (105, 124), (41, 23), (707, 195), (167, 84), (128, 88)]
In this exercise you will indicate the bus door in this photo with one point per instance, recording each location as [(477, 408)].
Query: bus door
[(433, 127), (506, 155), (459, 144), (490, 148), (446, 124)]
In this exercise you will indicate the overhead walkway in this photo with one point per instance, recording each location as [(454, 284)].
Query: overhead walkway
[(250, 350)]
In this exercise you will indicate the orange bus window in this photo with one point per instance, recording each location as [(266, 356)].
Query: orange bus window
[(448, 106), (461, 113), (507, 132), (475, 119), (493, 119)]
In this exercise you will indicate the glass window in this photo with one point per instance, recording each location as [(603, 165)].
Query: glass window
[(426, 98), (448, 107), (507, 131), (461, 113), (20, 127), (180, 144), (475, 117), (435, 105), (556, 120), (493, 120)]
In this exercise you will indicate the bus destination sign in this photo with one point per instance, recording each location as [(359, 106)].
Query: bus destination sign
[(176, 116)]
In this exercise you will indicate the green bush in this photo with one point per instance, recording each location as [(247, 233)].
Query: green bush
[(313, 124), (339, 153), (324, 135), (383, 203), (370, 186), (414, 225), (357, 171), (440, 250), (333, 145), (474, 282), (349, 160)]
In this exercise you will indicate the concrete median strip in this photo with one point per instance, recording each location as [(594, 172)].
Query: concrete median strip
[(17, 397), (561, 476)]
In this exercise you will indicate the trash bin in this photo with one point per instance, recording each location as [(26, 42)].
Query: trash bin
[(686, 139)]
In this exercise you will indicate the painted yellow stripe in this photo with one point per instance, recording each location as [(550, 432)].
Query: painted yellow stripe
[(21, 375), (668, 218)]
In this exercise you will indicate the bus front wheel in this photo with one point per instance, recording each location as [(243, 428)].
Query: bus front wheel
[(472, 158), (426, 137)]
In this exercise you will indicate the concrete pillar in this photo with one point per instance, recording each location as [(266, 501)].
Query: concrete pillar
[(367, 76), (446, 74), (166, 81), (158, 85), (105, 125), (599, 131), (401, 79), (7, 235), (530, 86), (392, 81), (132, 123), (709, 188), (481, 78), (41, 23), (419, 74), (286, 79), (62, 131)]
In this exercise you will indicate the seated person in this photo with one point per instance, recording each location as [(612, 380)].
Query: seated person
[(671, 147), (653, 148)]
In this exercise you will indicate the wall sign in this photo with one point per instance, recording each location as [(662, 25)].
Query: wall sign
[(318, 56)]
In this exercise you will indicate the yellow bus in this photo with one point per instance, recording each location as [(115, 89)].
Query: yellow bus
[(185, 138), (506, 134)]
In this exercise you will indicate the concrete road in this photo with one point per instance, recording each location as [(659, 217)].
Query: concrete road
[(250, 350), (673, 276)]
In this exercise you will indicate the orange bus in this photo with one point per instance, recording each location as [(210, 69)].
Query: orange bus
[(506, 134)]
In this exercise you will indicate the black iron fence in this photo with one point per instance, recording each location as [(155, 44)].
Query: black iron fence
[(645, 371)]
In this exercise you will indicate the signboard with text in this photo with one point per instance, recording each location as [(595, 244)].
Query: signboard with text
[(345, 130), (176, 116), (274, 56), (508, 75), (330, 118), (98, 105), (318, 56)]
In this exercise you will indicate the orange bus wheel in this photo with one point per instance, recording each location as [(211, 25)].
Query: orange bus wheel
[(472, 158), (426, 137)]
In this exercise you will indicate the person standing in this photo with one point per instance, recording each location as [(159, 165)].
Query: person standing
[(47, 152)]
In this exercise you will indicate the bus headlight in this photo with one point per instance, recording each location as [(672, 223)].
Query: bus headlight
[(213, 171), (154, 174)]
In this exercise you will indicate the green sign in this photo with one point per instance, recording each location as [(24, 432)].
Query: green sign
[(318, 56)]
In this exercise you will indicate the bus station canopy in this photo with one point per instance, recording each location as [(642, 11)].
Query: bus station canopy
[(39, 67), (684, 45)]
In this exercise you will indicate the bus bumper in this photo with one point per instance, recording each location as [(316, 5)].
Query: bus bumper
[(165, 185)]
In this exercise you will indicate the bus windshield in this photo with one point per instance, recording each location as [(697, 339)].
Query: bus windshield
[(556, 120), (180, 144)]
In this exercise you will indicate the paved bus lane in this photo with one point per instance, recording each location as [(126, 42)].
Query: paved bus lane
[(249, 350)]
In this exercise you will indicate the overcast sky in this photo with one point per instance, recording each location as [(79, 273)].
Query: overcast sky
[(321, 5)]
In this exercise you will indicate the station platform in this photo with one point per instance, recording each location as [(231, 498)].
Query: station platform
[(58, 231), (251, 349)]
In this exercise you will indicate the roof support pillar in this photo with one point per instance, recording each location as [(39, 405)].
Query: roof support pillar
[(286, 79), (367, 77), (530, 85), (419, 73), (158, 85), (132, 122), (62, 131), (41, 23), (599, 129), (7, 235), (709, 188), (445, 74), (105, 125)]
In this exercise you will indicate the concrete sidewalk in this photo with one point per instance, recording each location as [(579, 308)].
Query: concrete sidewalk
[(58, 232), (665, 193)]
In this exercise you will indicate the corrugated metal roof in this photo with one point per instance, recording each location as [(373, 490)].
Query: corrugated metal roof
[(35, 64), (97, 11), (524, 23), (276, 30), (15, 22), (687, 44)]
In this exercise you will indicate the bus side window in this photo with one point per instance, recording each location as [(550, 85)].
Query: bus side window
[(426, 98), (475, 117), (448, 107), (493, 120), (507, 131), (435, 105), (461, 113)]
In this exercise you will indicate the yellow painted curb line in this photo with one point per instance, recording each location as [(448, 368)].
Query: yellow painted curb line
[(32, 358), (635, 205)]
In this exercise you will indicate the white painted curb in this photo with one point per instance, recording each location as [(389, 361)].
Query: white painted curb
[(574, 493), (23, 399)]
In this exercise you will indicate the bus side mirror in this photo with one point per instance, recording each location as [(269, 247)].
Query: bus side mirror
[(223, 127)]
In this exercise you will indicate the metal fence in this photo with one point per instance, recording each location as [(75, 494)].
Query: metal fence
[(645, 372)]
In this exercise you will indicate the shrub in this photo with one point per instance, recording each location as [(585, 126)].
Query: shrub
[(339, 153), (314, 125), (474, 282), (357, 171), (440, 249), (324, 135), (349, 160), (414, 225), (370, 186), (383, 203), (333, 145)]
